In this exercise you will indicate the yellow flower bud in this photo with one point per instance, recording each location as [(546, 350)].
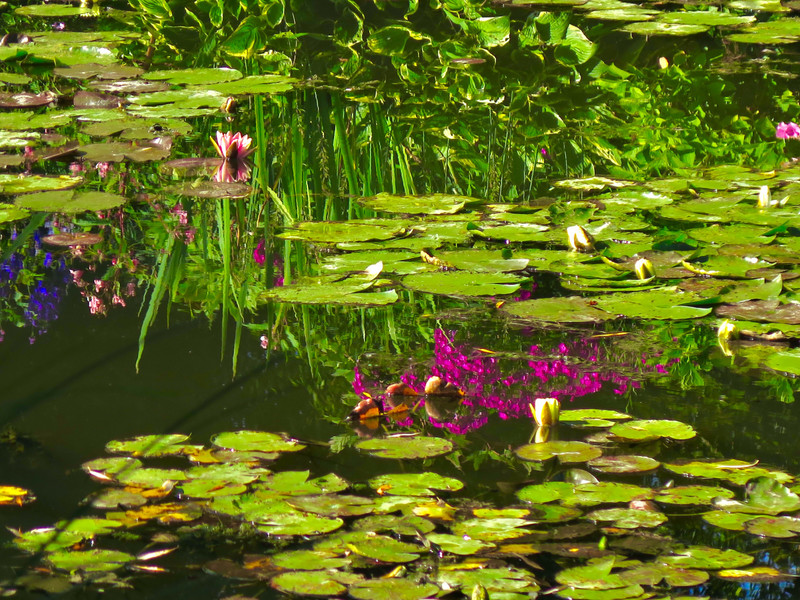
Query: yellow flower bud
[(580, 239), (726, 331), (644, 269), (545, 411)]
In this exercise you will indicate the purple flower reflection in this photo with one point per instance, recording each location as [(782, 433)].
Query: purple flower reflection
[(568, 371)]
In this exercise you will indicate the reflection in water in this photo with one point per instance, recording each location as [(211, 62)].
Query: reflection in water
[(508, 386)]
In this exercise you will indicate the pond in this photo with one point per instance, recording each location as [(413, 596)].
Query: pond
[(391, 299)]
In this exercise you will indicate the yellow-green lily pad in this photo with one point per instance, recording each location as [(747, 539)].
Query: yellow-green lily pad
[(650, 429), (406, 447), (566, 451), (262, 441)]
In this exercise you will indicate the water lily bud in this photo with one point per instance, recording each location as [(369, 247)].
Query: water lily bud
[(644, 269), (764, 197), (580, 239), (479, 593), (663, 63), (725, 332), (545, 411), (542, 435)]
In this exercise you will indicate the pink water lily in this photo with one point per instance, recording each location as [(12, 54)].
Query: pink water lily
[(786, 131), (233, 146)]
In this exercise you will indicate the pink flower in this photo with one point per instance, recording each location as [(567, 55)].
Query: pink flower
[(786, 131), (228, 171), (102, 169), (259, 254), (233, 146), (117, 300)]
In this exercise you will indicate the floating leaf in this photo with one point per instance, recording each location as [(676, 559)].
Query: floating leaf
[(309, 560), (692, 494), (406, 447), (149, 445), (10, 494), (431, 204), (308, 583), (606, 492), (195, 76), (774, 527), (261, 441), (567, 452), (25, 184), (333, 505), (645, 430), (341, 232), (414, 484), (491, 530), (68, 201), (623, 464), (765, 496), (95, 559), (458, 544), (754, 575), (574, 309), (546, 492), (297, 523), (392, 589), (628, 518), (385, 549), (736, 471), (463, 283), (403, 525), (704, 557)]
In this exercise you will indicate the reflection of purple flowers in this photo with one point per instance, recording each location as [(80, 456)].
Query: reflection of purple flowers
[(492, 384), (39, 300)]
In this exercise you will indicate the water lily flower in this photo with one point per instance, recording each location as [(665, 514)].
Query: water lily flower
[(787, 131), (580, 240), (644, 269), (233, 146), (545, 411), (764, 197)]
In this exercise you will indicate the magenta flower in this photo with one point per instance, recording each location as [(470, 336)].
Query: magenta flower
[(233, 146), (787, 131), (260, 254)]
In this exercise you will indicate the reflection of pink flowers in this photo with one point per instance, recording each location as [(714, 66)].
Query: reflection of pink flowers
[(233, 149), (496, 385), (786, 131), (260, 254)]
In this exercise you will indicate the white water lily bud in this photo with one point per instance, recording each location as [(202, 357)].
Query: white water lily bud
[(764, 197), (580, 239), (663, 63), (542, 435), (545, 411), (644, 269)]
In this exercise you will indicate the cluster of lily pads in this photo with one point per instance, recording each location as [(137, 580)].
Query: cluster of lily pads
[(577, 531)]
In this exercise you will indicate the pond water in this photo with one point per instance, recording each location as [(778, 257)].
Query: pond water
[(242, 222)]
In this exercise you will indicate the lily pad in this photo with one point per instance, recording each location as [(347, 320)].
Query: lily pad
[(11, 212), (309, 560), (212, 190), (95, 559), (623, 464), (308, 583), (692, 494), (567, 452), (68, 201), (546, 492), (195, 76), (414, 484), (458, 544), (385, 549), (704, 557), (646, 430), (733, 470), (573, 309), (464, 283), (431, 204), (606, 492), (333, 505), (149, 445), (297, 523), (406, 447), (774, 527), (256, 441), (628, 518), (660, 28), (491, 530), (392, 589), (25, 184)]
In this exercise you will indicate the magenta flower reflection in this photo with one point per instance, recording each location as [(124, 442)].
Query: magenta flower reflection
[(508, 387), (787, 131), (233, 149)]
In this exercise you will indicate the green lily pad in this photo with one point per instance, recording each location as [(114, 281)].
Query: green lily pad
[(765, 496), (414, 484), (308, 583), (482, 261), (385, 549), (661, 28), (431, 204), (297, 523), (623, 464), (69, 201), (645, 430), (25, 184), (458, 544), (754, 575), (403, 525), (95, 559), (596, 576), (209, 488), (195, 76), (329, 290), (733, 470), (333, 505), (150, 477), (620, 593), (392, 589), (774, 527), (341, 232), (47, 539), (11, 212), (606, 492), (297, 483), (495, 580), (393, 262), (574, 309), (592, 184), (706, 18), (149, 445), (589, 416), (662, 303), (726, 520), (692, 494), (111, 498), (491, 530), (628, 518), (464, 283), (262, 441), (546, 492), (54, 11), (704, 557), (731, 234), (567, 452), (653, 574), (309, 560), (406, 447)]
